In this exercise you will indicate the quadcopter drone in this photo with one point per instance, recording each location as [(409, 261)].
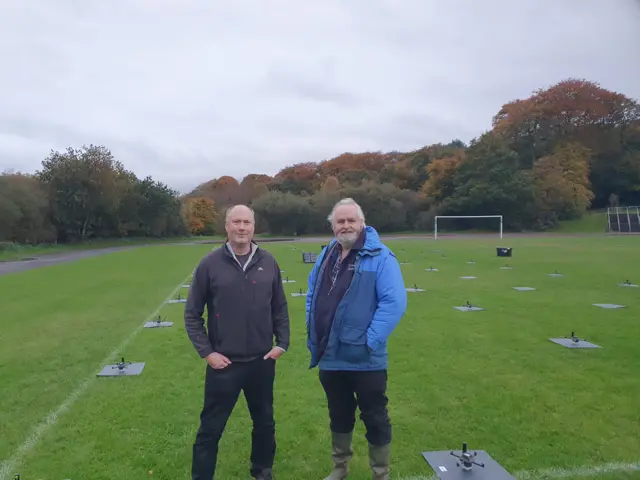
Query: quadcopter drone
[(121, 365), (573, 338), (466, 459)]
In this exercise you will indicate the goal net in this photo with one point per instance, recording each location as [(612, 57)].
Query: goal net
[(497, 221)]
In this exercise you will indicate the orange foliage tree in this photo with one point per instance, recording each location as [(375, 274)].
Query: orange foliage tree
[(562, 182), (200, 215), (441, 172)]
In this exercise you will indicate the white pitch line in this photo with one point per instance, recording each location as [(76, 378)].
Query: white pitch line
[(7, 467), (550, 473)]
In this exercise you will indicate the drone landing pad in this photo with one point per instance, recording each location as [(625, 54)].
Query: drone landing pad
[(178, 300), (157, 324), (128, 370), (567, 342), (288, 281), (524, 289), (412, 289), (444, 464), (299, 294), (465, 308), (607, 305)]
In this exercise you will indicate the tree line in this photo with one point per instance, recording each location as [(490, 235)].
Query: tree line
[(547, 158)]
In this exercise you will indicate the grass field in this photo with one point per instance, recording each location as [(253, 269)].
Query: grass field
[(490, 378)]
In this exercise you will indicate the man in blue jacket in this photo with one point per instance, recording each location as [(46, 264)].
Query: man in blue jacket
[(356, 297)]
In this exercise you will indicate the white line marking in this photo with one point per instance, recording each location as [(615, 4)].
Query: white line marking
[(7, 467), (549, 473)]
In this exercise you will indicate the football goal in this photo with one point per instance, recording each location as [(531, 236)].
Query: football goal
[(435, 229)]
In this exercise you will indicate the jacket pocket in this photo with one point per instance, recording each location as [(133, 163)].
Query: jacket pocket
[(353, 344)]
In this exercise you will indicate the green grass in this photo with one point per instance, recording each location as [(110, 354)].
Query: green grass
[(490, 378), (591, 222)]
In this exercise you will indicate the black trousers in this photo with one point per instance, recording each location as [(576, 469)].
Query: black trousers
[(346, 390), (221, 392)]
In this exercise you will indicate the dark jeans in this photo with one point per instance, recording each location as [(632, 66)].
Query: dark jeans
[(221, 392), (346, 390)]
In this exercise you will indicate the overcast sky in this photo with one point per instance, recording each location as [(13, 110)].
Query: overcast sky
[(189, 90)]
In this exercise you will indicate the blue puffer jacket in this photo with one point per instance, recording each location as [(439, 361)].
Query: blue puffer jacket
[(370, 310)]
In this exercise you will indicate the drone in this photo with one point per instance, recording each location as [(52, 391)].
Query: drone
[(573, 338), (466, 458), (121, 365), (159, 320)]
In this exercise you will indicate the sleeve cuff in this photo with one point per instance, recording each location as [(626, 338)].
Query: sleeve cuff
[(281, 348)]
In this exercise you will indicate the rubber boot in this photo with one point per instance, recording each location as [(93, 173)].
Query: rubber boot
[(341, 454), (379, 460), (266, 474)]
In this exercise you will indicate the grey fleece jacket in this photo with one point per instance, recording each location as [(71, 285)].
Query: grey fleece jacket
[(246, 307)]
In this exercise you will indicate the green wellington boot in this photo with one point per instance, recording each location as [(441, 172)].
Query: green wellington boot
[(341, 454), (379, 460)]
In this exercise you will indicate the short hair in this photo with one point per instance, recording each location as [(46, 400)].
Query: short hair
[(228, 212), (346, 201)]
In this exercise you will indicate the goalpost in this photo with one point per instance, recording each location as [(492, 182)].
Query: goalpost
[(435, 230)]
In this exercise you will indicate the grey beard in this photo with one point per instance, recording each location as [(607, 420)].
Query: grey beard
[(347, 243)]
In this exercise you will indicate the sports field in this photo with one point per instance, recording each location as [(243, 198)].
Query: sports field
[(490, 378)]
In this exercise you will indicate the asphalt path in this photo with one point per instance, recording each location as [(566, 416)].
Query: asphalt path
[(72, 256)]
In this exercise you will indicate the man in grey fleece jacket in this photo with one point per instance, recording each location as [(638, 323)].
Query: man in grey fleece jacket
[(241, 286)]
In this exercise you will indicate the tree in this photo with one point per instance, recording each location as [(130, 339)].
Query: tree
[(562, 184), (440, 173), (301, 178), (490, 182), (24, 210), (83, 188), (201, 216), (580, 111), (331, 184), (284, 213)]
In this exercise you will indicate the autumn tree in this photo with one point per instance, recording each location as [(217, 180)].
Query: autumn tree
[(576, 110), (440, 173), (354, 168), (562, 184), (331, 184), (254, 185), (301, 178), (200, 215)]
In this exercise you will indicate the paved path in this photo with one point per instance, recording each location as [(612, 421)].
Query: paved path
[(70, 256), (54, 259)]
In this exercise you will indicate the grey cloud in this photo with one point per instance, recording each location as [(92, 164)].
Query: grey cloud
[(188, 91)]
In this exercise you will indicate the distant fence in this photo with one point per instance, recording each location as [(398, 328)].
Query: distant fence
[(623, 219)]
